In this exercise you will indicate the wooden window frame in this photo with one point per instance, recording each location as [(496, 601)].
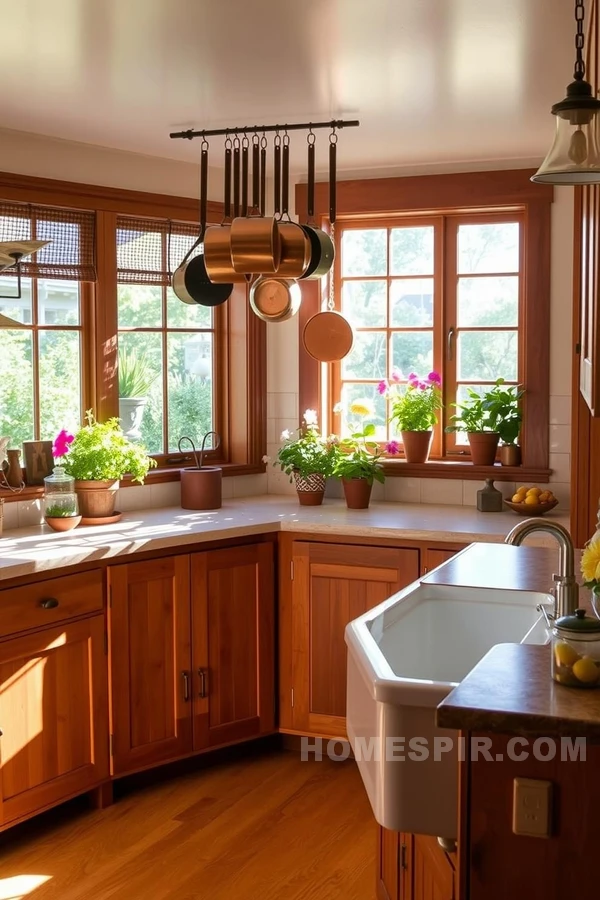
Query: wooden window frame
[(242, 366), (473, 193)]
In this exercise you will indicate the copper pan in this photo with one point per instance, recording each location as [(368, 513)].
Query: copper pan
[(323, 249), (255, 241), (217, 247), (295, 245), (275, 299)]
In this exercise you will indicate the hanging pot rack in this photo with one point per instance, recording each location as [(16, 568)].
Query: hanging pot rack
[(190, 134)]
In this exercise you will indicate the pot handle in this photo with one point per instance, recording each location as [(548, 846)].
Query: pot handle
[(285, 179), (227, 183), (245, 146), (255, 173), (203, 201), (310, 194), (263, 175), (277, 175), (333, 138), (236, 176)]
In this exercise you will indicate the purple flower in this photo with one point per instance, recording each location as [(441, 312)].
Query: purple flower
[(422, 385), (434, 378), (412, 378), (392, 447), (382, 387), (62, 442), (396, 376)]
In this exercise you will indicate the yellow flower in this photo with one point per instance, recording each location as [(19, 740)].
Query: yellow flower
[(361, 408), (590, 561)]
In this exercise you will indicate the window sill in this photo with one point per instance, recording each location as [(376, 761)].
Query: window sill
[(465, 471)]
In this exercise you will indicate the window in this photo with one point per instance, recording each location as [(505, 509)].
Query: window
[(427, 293)]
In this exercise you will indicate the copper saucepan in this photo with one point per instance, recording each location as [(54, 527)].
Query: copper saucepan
[(323, 250), (296, 248), (255, 241), (275, 299), (217, 246)]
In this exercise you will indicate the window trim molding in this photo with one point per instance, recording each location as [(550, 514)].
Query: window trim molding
[(469, 192)]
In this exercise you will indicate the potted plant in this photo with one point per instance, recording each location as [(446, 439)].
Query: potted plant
[(504, 405), (474, 418), (358, 462), (135, 380), (97, 456), (414, 408), (308, 459)]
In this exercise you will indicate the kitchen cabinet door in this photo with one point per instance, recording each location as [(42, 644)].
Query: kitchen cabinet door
[(233, 615), (53, 716), (431, 557), (150, 662), (433, 875), (333, 584), (394, 865)]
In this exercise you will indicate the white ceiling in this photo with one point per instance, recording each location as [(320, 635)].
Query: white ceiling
[(432, 81)]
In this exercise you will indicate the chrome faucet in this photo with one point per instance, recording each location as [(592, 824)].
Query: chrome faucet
[(566, 591)]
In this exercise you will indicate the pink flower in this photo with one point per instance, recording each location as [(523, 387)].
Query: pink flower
[(396, 376), (434, 378), (382, 387), (422, 385), (62, 442), (412, 378), (392, 447)]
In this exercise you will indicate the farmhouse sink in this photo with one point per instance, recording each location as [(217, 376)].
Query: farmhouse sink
[(404, 657)]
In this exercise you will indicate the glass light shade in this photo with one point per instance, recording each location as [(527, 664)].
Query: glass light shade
[(574, 157)]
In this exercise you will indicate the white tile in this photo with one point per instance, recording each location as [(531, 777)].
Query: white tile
[(334, 489), (288, 424), (167, 494), (562, 492), (403, 490), (137, 496), (443, 491), (10, 516), (282, 406), (560, 463), (227, 488), (282, 356), (560, 438), (469, 492), (378, 492), (279, 483), (249, 485), (30, 513), (560, 410), (561, 290)]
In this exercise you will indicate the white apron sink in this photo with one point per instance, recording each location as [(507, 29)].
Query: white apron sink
[(404, 657)]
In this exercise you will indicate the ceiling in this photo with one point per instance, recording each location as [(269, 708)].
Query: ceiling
[(432, 81)]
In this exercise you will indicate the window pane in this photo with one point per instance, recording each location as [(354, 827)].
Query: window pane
[(139, 306), (488, 301), (369, 393), (364, 252), (16, 309), (488, 248), (487, 355), (186, 315), (411, 302), (412, 251), (364, 303), (60, 382), (412, 351), (148, 349), (190, 386), (58, 302), (16, 380), (368, 357)]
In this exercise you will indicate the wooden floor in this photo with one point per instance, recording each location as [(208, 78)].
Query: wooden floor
[(267, 828)]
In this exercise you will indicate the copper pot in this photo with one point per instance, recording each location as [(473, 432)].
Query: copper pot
[(295, 250), (275, 299), (255, 246), (217, 256)]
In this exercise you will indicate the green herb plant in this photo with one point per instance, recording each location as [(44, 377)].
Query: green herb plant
[(359, 455), (135, 375), (60, 512), (101, 452), (498, 409), (309, 453)]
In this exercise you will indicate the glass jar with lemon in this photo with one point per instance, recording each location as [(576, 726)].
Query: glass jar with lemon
[(576, 650)]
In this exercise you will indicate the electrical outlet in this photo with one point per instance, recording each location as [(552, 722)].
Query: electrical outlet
[(532, 804)]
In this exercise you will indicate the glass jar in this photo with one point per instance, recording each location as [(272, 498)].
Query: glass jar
[(576, 650), (60, 499)]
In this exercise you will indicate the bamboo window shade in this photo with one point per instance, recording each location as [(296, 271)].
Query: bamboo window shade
[(149, 250), (69, 256)]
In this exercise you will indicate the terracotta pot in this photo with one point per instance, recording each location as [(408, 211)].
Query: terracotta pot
[(483, 446), (510, 455), (62, 523), (416, 445), (357, 492), (201, 488), (310, 489), (96, 498)]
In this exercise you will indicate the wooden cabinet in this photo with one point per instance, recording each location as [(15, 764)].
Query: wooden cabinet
[(53, 716), (433, 874), (331, 585), (394, 865), (434, 556), (150, 662), (192, 667), (413, 867), (233, 619)]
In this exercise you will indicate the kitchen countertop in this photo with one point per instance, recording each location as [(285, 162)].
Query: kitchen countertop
[(27, 551)]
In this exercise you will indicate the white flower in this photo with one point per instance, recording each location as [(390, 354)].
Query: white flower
[(338, 408), (266, 459), (286, 435), (310, 417)]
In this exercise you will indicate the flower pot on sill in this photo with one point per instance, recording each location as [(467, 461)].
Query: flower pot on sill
[(62, 523), (416, 445), (357, 492), (96, 498), (510, 455), (310, 488), (484, 445), (131, 411)]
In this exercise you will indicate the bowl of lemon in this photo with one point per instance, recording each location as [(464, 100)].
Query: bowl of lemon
[(532, 501)]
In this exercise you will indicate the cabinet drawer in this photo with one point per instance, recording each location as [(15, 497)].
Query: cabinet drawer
[(23, 608)]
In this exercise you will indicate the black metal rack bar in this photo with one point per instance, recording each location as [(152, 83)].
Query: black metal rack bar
[(254, 129)]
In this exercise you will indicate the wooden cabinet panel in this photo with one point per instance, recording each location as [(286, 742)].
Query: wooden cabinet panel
[(150, 662), (433, 875), (333, 584), (431, 557), (53, 716), (47, 602), (233, 615)]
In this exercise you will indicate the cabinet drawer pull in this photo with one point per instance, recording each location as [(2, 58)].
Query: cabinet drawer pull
[(49, 603), (202, 674), (186, 686)]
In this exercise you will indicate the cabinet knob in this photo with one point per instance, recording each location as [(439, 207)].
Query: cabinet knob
[(186, 685), (202, 674), (49, 603)]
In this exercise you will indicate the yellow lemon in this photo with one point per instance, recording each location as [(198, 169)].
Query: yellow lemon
[(545, 497), (531, 499), (586, 671), (521, 491), (565, 654), (534, 492), (517, 498)]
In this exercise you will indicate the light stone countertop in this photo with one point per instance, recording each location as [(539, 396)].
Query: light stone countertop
[(26, 551)]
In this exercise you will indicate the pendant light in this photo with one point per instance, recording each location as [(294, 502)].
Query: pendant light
[(574, 157)]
